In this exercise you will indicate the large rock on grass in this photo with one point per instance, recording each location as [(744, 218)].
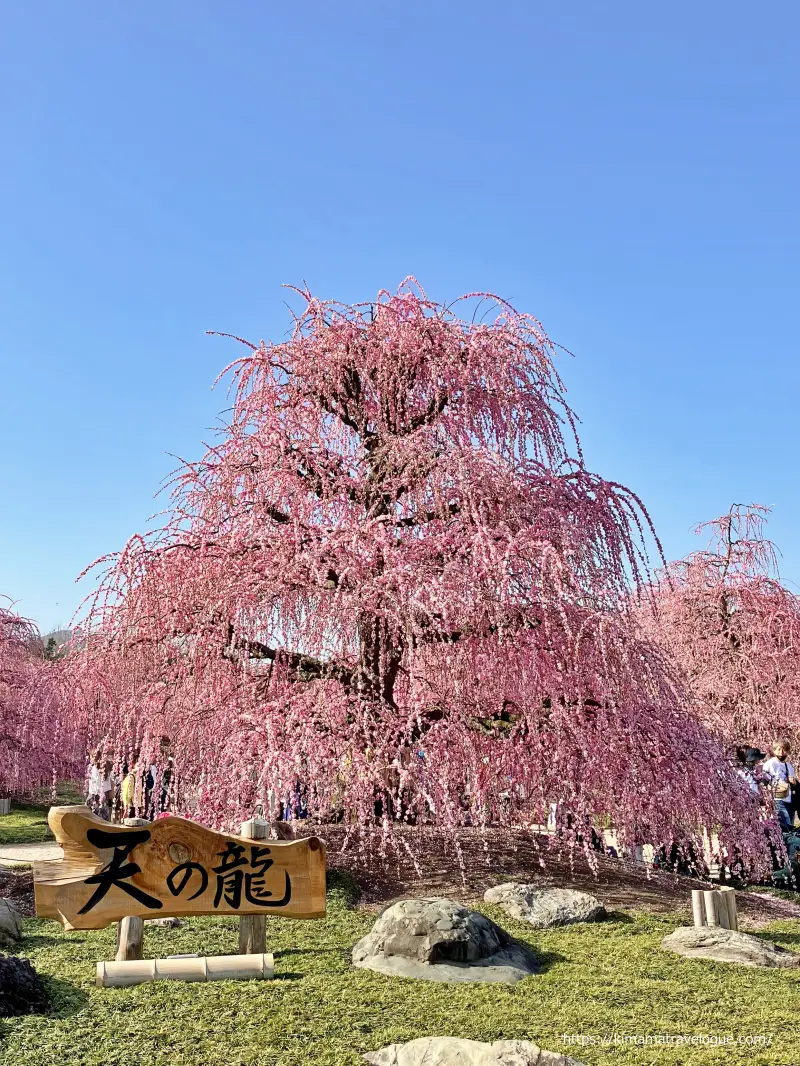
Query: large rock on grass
[(10, 924), (449, 1051), (21, 988), (439, 940), (546, 907), (727, 945)]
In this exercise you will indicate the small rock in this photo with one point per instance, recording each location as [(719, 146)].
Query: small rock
[(21, 988), (727, 945), (10, 923), (439, 940), (544, 908), (450, 1051), (166, 923)]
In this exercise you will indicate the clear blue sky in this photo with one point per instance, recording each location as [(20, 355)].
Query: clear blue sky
[(628, 172)]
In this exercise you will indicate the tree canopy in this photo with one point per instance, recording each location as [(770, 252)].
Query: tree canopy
[(729, 623), (393, 582), (38, 741)]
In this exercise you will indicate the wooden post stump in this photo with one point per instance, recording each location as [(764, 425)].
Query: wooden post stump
[(130, 931), (728, 903), (711, 897), (253, 927), (698, 909), (716, 906)]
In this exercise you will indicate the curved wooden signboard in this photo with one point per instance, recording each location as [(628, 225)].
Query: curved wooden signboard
[(170, 868)]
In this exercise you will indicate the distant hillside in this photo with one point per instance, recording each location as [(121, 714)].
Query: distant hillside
[(60, 636)]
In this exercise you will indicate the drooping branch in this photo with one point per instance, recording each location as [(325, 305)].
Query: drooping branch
[(398, 523), (734, 629)]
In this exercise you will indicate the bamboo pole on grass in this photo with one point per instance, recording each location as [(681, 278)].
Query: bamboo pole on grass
[(212, 968)]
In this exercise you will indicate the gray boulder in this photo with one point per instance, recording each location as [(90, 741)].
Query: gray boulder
[(546, 907), (10, 923), (439, 940), (727, 945), (449, 1051), (166, 923)]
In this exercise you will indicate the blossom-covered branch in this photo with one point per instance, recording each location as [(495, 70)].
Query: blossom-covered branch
[(394, 541)]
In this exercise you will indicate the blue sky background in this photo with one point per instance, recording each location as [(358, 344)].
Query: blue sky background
[(626, 172)]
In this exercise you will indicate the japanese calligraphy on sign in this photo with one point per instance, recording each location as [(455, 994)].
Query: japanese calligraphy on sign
[(169, 868)]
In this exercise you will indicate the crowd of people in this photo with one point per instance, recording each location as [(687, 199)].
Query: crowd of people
[(773, 777), (141, 790)]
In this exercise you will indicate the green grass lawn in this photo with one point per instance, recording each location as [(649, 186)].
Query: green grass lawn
[(596, 980), (27, 822)]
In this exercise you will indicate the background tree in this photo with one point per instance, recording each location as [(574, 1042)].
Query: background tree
[(393, 582), (38, 743), (734, 629)]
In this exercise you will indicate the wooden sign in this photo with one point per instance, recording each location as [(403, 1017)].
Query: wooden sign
[(169, 868)]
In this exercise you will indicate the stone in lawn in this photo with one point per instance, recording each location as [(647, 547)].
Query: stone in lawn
[(439, 940), (21, 988), (727, 945), (449, 1051), (166, 923), (546, 907), (10, 923)]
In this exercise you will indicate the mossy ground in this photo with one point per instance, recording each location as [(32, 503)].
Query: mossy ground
[(596, 981)]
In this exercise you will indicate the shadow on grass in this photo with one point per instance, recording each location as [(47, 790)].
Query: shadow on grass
[(777, 935), (283, 952), (65, 998), (38, 941), (544, 959), (618, 916)]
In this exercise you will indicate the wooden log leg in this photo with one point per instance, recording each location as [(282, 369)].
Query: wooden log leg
[(130, 932), (253, 927), (252, 934)]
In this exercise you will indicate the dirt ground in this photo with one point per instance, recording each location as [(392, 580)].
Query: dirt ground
[(425, 863), (17, 888)]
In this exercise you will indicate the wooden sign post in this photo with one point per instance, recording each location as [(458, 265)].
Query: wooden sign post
[(171, 868), (253, 927)]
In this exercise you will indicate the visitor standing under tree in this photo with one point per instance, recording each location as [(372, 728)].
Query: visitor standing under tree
[(782, 782), (100, 790)]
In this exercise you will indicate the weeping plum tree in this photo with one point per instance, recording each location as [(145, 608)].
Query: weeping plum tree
[(734, 629), (38, 744), (393, 583)]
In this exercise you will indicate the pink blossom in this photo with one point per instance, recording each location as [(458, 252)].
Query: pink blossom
[(725, 618), (38, 742), (393, 584)]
